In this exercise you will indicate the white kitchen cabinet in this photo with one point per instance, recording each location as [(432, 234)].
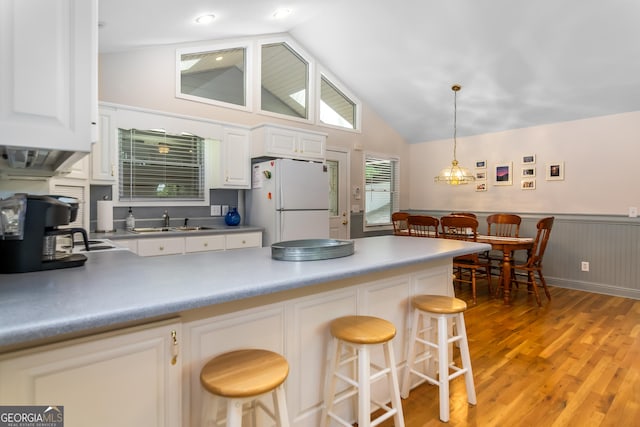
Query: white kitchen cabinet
[(244, 240), (279, 141), (231, 159), (104, 152), (163, 246), (78, 189), (129, 378), (131, 244), (189, 244), (48, 93), (211, 242)]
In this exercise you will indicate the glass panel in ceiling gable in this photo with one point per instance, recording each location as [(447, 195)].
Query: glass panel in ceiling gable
[(284, 81), (335, 107)]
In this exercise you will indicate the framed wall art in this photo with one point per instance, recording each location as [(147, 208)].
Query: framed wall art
[(529, 159), (481, 164), (554, 171), (481, 185), (528, 172), (528, 184), (503, 174), (481, 175)]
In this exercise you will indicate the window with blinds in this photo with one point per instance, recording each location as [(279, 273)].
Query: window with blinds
[(155, 166), (382, 183)]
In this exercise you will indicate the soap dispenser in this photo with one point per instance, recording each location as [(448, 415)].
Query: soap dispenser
[(131, 221)]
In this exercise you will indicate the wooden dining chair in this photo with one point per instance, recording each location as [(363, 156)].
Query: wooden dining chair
[(400, 226), (423, 225), (533, 265), (465, 228), (502, 225)]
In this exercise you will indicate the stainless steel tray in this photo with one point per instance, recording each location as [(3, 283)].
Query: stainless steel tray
[(311, 249)]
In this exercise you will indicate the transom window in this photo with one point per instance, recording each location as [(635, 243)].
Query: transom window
[(284, 81), (216, 76), (382, 184), (157, 166), (336, 108)]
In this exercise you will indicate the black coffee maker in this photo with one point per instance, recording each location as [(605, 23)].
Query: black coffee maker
[(29, 226)]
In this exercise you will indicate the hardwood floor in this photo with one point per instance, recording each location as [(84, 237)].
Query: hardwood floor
[(573, 362)]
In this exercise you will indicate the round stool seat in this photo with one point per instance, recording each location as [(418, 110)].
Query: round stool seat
[(244, 373), (439, 304), (362, 329)]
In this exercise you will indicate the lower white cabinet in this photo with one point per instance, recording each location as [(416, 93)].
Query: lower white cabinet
[(126, 379), (190, 244), (211, 242), (166, 246)]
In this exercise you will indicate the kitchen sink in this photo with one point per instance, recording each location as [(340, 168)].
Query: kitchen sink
[(168, 229)]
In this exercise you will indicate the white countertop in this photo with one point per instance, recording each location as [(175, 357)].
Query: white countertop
[(113, 288)]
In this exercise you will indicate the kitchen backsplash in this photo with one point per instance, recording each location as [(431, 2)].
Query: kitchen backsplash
[(152, 216)]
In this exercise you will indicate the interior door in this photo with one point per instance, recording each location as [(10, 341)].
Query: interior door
[(338, 166)]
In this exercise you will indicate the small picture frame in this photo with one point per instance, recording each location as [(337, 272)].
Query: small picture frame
[(503, 174), (481, 175), (528, 184), (481, 164), (481, 185), (528, 172), (554, 171), (529, 159)]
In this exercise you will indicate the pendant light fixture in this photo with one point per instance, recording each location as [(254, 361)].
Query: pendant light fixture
[(455, 174)]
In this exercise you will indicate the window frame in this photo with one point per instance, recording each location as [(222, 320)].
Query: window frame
[(248, 47), (337, 84), (395, 196), (311, 78)]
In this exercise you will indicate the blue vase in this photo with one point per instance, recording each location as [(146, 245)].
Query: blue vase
[(232, 217)]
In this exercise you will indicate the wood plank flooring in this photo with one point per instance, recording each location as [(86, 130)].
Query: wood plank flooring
[(573, 362)]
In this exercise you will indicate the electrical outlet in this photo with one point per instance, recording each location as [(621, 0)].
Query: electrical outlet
[(584, 265), (225, 209), (216, 210), (633, 212)]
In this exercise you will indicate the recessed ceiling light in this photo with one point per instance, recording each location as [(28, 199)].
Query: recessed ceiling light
[(281, 13), (219, 58), (205, 19)]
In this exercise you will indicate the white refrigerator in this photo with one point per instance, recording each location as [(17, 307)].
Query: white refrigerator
[(290, 199)]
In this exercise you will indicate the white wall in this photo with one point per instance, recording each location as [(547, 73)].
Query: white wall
[(601, 157)]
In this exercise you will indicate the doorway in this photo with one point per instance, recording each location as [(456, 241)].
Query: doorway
[(338, 168)]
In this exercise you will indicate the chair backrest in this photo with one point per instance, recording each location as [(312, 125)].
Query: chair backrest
[(459, 227), (423, 226), (540, 242), (471, 214), (503, 225), (399, 220)]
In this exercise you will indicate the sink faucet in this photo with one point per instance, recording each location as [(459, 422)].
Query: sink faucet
[(186, 220), (165, 219)]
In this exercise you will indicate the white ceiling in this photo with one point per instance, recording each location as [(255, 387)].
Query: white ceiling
[(520, 63)]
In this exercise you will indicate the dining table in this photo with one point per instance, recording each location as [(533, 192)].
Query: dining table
[(507, 245)]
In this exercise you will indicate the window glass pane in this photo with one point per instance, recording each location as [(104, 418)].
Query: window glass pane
[(216, 75), (335, 107), (157, 166), (381, 190), (284, 81), (332, 166)]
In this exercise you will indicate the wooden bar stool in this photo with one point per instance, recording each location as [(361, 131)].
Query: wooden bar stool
[(428, 309), (241, 377), (357, 334)]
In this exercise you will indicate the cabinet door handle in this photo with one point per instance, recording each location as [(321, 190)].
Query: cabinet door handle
[(174, 347), (206, 244), (161, 248)]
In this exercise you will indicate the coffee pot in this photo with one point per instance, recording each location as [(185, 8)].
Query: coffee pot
[(29, 227)]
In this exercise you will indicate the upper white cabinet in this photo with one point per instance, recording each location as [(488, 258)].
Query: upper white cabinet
[(103, 152), (48, 90), (231, 159), (278, 141)]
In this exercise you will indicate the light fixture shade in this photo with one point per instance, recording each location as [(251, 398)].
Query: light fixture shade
[(454, 175)]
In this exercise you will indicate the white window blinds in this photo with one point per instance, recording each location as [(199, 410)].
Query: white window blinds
[(158, 166), (381, 190)]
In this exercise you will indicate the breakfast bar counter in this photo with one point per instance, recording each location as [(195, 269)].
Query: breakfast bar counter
[(190, 307)]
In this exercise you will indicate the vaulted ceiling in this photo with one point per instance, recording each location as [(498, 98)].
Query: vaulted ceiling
[(520, 63)]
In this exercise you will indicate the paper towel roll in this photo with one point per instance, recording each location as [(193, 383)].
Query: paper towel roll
[(105, 215)]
